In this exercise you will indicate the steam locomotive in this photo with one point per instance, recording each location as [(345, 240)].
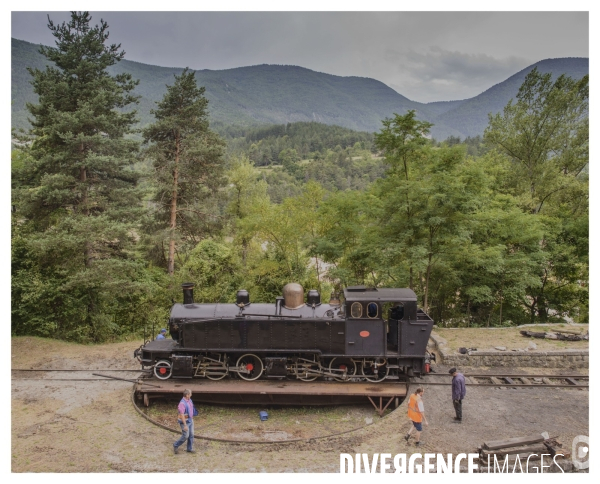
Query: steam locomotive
[(372, 334)]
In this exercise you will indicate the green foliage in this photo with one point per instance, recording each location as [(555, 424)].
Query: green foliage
[(215, 269), (265, 145), (474, 144), (403, 142), (75, 197), (453, 228), (545, 134), (187, 165), (488, 232), (344, 222), (545, 137), (345, 169)]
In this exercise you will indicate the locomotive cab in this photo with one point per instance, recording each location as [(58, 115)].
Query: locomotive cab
[(385, 322)]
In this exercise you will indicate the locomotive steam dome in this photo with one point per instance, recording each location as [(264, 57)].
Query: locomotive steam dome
[(293, 296)]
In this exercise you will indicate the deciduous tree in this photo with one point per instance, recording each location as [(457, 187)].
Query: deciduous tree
[(545, 135)]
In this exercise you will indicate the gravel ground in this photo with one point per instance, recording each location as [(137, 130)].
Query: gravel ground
[(78, 426), (510, 338)]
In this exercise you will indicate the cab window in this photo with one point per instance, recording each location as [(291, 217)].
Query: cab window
[(356, 310), (372, 310), (397, 312)]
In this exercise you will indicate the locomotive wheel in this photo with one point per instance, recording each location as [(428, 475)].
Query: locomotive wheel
[(372, 374), (343, 364), (163, 370), (304, 364), (253, 364)]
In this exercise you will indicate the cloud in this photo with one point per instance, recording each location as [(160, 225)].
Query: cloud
[(436, 73), (426, 56)]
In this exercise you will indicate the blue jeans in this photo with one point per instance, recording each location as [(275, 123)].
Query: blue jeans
[(186, 434)]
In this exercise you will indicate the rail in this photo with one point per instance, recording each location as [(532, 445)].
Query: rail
[(520, 380)]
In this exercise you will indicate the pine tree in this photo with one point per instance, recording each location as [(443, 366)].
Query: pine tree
[(187, 159), (77, 197)]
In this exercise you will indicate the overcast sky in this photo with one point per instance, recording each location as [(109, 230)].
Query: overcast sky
[(425, 56)]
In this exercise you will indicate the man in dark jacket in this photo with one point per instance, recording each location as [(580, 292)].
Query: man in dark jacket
[(458, 393)]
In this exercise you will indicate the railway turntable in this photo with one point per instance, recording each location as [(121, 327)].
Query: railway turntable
[(277, 392)]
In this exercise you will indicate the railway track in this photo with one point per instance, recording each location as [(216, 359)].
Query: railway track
[(520, 380), (42, 370), (511, 380), (93, 369)]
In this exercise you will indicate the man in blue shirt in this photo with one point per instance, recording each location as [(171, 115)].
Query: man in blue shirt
[(161, 335), (458, 393)]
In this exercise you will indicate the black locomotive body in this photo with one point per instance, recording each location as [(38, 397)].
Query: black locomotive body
[(374, 334)]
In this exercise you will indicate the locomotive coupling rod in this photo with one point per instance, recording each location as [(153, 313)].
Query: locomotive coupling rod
[(238, 369), (335, 375), (125, 379)]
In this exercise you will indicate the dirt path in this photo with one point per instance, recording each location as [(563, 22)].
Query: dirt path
[(79, 426)]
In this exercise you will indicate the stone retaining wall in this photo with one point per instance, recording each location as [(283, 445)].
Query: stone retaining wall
[(546, 359)]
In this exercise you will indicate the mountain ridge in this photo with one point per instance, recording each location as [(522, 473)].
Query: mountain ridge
[(470, 114), (281, 94)]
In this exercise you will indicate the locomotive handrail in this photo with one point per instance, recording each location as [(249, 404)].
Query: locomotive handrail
[(267, 316)]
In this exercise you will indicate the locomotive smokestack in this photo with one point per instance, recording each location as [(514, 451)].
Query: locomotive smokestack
[(188, 292)]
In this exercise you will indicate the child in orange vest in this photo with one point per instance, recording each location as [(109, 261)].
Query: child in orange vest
[(416, 413)]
